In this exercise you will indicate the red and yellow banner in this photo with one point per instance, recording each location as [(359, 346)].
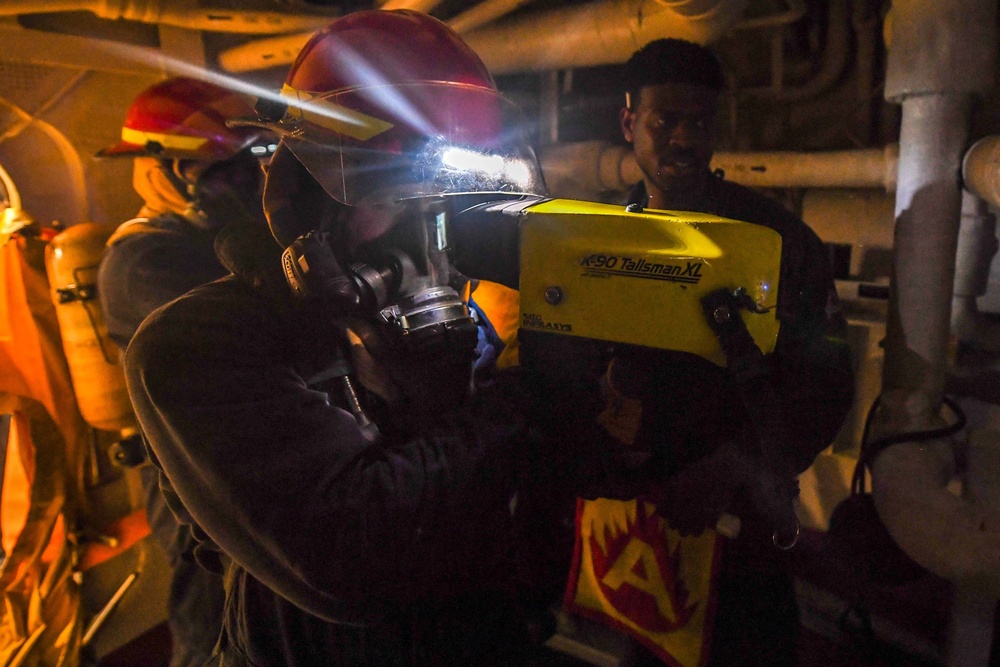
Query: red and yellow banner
[(633, 573)]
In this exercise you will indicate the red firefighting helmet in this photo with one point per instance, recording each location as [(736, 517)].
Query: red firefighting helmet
[(395, 100), (183, 118)]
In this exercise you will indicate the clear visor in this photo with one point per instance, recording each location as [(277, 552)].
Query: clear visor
[(420, 140)]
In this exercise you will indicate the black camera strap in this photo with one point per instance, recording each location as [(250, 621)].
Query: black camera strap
[(776, 487)]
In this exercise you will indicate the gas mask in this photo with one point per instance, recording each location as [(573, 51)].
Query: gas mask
[(217, 191), (399, 280)]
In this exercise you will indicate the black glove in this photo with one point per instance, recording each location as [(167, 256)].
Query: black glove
[(694, 498), (419, 390)]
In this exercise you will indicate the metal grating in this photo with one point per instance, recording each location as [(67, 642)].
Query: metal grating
[(18, 77), (29, 86)]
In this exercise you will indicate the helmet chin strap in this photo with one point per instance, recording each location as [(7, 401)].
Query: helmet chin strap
[(186, 187)]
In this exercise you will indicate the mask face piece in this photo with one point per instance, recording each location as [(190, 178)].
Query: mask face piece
[(391, 268), (226, 188), (421, 308)]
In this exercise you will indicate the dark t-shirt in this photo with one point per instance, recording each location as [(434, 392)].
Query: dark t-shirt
[(161, 260), (756, 620), (343, 552)]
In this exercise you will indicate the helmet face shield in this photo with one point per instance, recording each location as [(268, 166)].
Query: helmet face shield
[(418, 140)]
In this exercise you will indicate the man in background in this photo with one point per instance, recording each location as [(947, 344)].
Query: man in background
[(695, 416)]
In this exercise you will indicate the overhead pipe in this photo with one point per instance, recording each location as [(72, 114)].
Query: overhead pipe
[(590, 167), (941, 55), (598, 33), (834, 60), (425, 6), (179, 14), (484, 13), (864, 168), (263, 53), (78, 53), (796, 10)]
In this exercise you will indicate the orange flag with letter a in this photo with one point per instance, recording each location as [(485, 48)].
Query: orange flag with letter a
[(633, 573)]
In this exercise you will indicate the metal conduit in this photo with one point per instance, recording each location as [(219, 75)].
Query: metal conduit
[(832, 64)]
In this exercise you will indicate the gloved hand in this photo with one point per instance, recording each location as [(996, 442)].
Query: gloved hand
[(694, 498), (420, 391), (501, 394)]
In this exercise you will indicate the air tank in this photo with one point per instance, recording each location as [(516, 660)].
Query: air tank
[(95, 362)]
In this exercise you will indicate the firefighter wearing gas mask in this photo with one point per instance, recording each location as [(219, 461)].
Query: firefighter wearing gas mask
[(331, 417), (191, 170), (193, 173)]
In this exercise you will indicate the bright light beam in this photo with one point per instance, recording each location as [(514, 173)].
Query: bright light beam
[(176, 66), (385, 93), (464, 160)]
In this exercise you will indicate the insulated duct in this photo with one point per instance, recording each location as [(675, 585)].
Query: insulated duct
[(598, 33), (182, 14), (588, 168)]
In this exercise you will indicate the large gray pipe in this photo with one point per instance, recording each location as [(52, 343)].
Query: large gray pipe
[(928, 205), (941, 55)]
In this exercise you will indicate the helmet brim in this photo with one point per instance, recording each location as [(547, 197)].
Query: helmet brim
[(122, 149), (212, 152)]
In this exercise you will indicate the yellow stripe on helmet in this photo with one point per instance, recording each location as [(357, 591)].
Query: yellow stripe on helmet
[(340, 119), (172, 141)]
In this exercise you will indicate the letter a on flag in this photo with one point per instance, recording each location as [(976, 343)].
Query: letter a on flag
[(633, 573)]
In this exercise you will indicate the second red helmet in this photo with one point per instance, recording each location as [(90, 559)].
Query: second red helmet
[(183, 118)]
